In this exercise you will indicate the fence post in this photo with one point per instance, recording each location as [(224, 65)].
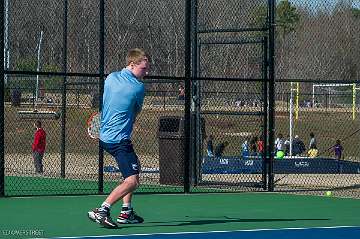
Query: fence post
[(189, 21), (101, 90), (2, 121), (265, 109), (63, 101), (272, 8)]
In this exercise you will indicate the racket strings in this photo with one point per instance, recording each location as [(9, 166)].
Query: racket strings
[(94, 126)]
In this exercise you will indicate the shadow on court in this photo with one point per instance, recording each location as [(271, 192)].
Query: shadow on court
[(221, 220), (232, 220)]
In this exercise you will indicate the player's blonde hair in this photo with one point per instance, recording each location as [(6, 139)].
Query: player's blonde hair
[(135, 56)]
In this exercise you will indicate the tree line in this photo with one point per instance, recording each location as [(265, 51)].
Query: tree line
[(310, 43)]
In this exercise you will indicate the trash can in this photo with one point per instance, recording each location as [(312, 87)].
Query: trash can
[(171, 150), (16, 97)]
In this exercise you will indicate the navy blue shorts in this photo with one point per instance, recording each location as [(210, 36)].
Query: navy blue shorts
[(125, 157)]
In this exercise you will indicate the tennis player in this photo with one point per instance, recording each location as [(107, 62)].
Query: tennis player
[(122, 101)]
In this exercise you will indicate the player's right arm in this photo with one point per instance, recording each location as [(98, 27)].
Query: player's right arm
[(140, 95)]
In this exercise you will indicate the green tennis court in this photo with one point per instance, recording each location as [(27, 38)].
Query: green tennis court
[(20, 186), (57, 216)]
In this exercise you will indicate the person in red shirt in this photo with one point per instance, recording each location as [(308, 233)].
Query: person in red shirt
[(38, 147), (260, 146)]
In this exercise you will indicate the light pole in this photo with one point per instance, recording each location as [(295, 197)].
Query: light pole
[(38, 69), (6, 40)]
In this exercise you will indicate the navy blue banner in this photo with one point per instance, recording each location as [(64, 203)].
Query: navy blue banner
[(300, 165)]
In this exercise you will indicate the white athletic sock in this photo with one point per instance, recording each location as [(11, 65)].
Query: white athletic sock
[(105, 206), (126, 207)]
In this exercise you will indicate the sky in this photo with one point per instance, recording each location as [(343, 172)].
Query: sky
[(356, 4), (327, 4)]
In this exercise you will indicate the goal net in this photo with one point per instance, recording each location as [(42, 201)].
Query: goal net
[(334, 96)]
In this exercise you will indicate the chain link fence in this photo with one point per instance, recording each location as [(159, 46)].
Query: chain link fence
[(317, 69), (330, 117), (317, 72)]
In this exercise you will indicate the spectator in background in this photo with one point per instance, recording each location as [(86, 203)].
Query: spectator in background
[(253, 148), (279, 143), (239, 103), (287, 145), (338, 149), (312, 143), (210, 147), (280, 147), (219, 150), (50, 100), (313, 152), (38, 147), (260, 145), (245, 148), (298, 146), (181, 95)]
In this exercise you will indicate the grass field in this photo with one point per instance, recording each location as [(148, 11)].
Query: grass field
[(328, 126)]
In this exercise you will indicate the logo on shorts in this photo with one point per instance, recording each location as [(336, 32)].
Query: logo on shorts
[(134, 166)]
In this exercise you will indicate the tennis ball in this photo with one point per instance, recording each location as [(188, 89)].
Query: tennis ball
[(280, 154), (328, 193)]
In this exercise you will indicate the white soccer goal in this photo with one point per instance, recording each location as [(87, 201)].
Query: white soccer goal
[(335, 96)]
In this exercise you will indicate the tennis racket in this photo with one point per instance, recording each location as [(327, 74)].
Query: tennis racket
[(93, 125)]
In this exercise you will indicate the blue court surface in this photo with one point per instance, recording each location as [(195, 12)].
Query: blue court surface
[(293, 233)]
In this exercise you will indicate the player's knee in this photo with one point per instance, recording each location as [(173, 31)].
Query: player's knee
[(137, 184), (133, 181)]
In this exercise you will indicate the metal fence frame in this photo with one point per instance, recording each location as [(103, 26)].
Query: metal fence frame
[(190, 78)]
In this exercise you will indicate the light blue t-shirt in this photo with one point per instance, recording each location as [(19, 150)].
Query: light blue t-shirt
[(122, 101)]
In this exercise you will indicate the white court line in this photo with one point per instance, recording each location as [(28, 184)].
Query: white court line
[(179, 233)]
